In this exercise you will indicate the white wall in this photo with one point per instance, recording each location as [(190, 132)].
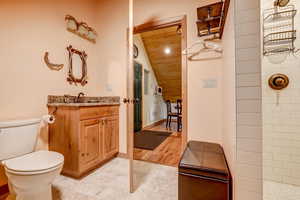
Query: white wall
[(154, 107), (281, 122), (248, 96)]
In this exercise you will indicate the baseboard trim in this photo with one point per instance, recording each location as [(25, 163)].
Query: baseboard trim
[(4, 191), (155, 124), (123, 155)]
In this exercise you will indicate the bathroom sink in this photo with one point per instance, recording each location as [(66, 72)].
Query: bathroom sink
[(86, 101), (93, 101)]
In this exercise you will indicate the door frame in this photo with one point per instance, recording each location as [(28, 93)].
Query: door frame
[(154, 25)]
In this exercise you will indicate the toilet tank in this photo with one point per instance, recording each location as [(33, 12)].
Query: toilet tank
[(18, 137)]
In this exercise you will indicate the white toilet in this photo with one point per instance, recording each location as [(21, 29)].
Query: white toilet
[(30, 174)]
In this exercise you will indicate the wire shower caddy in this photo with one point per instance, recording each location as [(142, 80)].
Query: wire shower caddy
[(279, 33)]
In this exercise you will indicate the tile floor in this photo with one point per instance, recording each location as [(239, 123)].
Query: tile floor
[(278, 191), (110, 182)]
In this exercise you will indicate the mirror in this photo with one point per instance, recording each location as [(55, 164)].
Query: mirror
[(77, 66)]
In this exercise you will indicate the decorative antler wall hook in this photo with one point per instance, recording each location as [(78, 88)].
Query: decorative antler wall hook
[(81, 29), (52, 66)]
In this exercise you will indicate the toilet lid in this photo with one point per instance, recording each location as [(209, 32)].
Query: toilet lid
[(36, 161)]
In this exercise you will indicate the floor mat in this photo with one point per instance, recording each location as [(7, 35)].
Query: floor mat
[(149, 140)]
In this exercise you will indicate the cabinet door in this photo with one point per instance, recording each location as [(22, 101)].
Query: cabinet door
[(111, 136), (91, 141)]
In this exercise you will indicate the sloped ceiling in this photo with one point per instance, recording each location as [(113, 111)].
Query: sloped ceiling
[(167, 67)]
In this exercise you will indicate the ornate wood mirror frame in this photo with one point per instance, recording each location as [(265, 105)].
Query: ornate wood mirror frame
[(83, 56)]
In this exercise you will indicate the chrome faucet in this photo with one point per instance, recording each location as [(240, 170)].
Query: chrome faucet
[(81, 94)]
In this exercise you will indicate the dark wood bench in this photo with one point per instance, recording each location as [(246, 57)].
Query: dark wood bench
[(204, 173)]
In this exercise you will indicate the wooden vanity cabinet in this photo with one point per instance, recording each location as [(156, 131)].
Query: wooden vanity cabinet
[(91, 143), (86, 136), (111, 143)]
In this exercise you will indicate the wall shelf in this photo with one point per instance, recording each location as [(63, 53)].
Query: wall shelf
[(211, 19), (279, 32), (280, 38), (280, 16)]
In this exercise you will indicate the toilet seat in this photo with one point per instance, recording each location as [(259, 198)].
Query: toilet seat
[(34, 163)]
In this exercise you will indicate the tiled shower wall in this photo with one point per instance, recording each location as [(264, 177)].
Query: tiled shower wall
[(248, 96), (281, 117)]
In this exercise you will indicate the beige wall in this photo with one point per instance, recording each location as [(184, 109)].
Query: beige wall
[(112, 24), (281, 139), (204, 104), (42, 28), (228, 84), (33, 27), (28, 78)]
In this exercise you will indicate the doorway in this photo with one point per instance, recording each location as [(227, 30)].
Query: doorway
[(180, 23), (158, 95)]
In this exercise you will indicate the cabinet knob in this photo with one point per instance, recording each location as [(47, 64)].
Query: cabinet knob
[(126, 100), (82, 154)]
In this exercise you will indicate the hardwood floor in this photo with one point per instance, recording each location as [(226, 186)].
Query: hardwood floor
[(167, 153)]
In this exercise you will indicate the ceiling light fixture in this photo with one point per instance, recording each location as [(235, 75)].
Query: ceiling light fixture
[(167, 50)]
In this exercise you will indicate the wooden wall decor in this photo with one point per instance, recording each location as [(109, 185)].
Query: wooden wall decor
[(71, 77), (212, 18), (81, 29), (52, 66)]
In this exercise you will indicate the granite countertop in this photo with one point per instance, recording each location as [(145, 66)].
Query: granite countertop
[(82, 104), (82, 101)]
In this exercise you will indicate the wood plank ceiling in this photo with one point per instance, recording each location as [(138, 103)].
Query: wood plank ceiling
[(167, 67)]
